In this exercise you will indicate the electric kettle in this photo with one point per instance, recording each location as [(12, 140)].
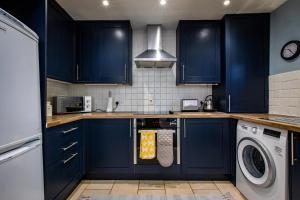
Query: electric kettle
[(208, 104)]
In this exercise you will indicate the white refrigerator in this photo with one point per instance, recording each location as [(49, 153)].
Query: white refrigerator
[(21, 163)]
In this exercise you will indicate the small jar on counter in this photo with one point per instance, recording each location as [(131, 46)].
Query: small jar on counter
[(49, 109)]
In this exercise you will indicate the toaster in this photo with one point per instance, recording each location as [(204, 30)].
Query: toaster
[(190, 105)]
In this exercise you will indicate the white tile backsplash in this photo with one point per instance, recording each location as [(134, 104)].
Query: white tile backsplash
[(284, 93), (56, 88), (152, 89)]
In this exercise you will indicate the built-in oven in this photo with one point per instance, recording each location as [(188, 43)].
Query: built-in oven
[(172, 124)]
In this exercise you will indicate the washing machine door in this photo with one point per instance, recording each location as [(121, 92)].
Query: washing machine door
[(256, 162)]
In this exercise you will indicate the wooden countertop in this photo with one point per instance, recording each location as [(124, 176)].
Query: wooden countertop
[(63, 119), (254, 118)]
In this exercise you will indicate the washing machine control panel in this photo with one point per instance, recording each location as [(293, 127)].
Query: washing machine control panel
[(254, 130)]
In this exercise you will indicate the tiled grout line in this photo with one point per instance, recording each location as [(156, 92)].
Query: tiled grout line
[(217, 187)]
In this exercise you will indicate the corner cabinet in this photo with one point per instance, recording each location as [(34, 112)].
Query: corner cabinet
[(63, 160), (104, 52), (245, 64), (198, 52), (294, 171), (206, 148), (109, 148), (60, 44)]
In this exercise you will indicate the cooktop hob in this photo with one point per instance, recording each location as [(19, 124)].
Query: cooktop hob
[(287, 120), (155, 113)]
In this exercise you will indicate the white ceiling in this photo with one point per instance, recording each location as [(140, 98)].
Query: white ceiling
[(142, 12)]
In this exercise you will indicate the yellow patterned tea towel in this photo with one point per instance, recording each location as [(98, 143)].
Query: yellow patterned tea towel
[(147, 144)]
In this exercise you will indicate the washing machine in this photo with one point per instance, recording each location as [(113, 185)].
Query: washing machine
[(262, 162)]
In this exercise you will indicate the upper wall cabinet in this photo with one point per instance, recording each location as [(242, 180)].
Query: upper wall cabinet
[(60, 44), (104, 52), (198, 52), (245, 64)]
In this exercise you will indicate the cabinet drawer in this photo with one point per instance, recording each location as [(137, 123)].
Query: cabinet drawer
[(59, 141), (60, 174)]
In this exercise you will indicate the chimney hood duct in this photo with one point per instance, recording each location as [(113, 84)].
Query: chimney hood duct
[(154, 56)]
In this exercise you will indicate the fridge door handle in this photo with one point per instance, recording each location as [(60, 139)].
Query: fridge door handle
[(19, 151)]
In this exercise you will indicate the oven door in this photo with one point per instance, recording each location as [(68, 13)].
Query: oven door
[(153, 161), (137, 139)]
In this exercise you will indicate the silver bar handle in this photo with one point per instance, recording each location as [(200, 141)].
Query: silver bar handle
[(134, 143), (70, 146), (125, 72), (178, 142), (69, 159), (130, 130), (183, 72), (292, 149), (229, 103), (77, 72), (70, 130), (184, 129)]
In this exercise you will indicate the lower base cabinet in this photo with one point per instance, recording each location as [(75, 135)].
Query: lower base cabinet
[(63, 160), (206, 148), (109, 147), (103, 149)]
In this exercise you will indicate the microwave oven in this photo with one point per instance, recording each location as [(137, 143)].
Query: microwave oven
[(66, 104)]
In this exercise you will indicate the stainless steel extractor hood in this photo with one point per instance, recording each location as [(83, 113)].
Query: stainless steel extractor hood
[(155, 56)]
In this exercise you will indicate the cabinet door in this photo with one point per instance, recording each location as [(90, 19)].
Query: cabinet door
[(103, 53), (295, 167), (109, 148), (90, 44), (200, 52), (247, 62), (205, 148), (115, 55), (60, 45), (63, 159)]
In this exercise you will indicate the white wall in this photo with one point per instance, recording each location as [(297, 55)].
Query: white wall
[(156, 84)]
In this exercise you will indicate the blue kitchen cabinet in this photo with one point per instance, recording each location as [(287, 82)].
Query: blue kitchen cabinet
[(63, 160), (104, 52), (198, 52), (245, 64), (294, 170), (206, 149), (60, 44), (109, 148)]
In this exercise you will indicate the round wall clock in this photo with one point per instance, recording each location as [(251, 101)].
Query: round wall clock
[(290, 50)]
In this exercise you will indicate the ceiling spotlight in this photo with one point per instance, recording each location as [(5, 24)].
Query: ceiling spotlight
[(163, 2), (226, 2), (105, 2)]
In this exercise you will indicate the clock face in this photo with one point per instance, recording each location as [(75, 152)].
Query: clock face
[(291, 50)]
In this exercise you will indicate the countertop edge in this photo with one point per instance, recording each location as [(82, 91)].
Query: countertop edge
[(254, 118)]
